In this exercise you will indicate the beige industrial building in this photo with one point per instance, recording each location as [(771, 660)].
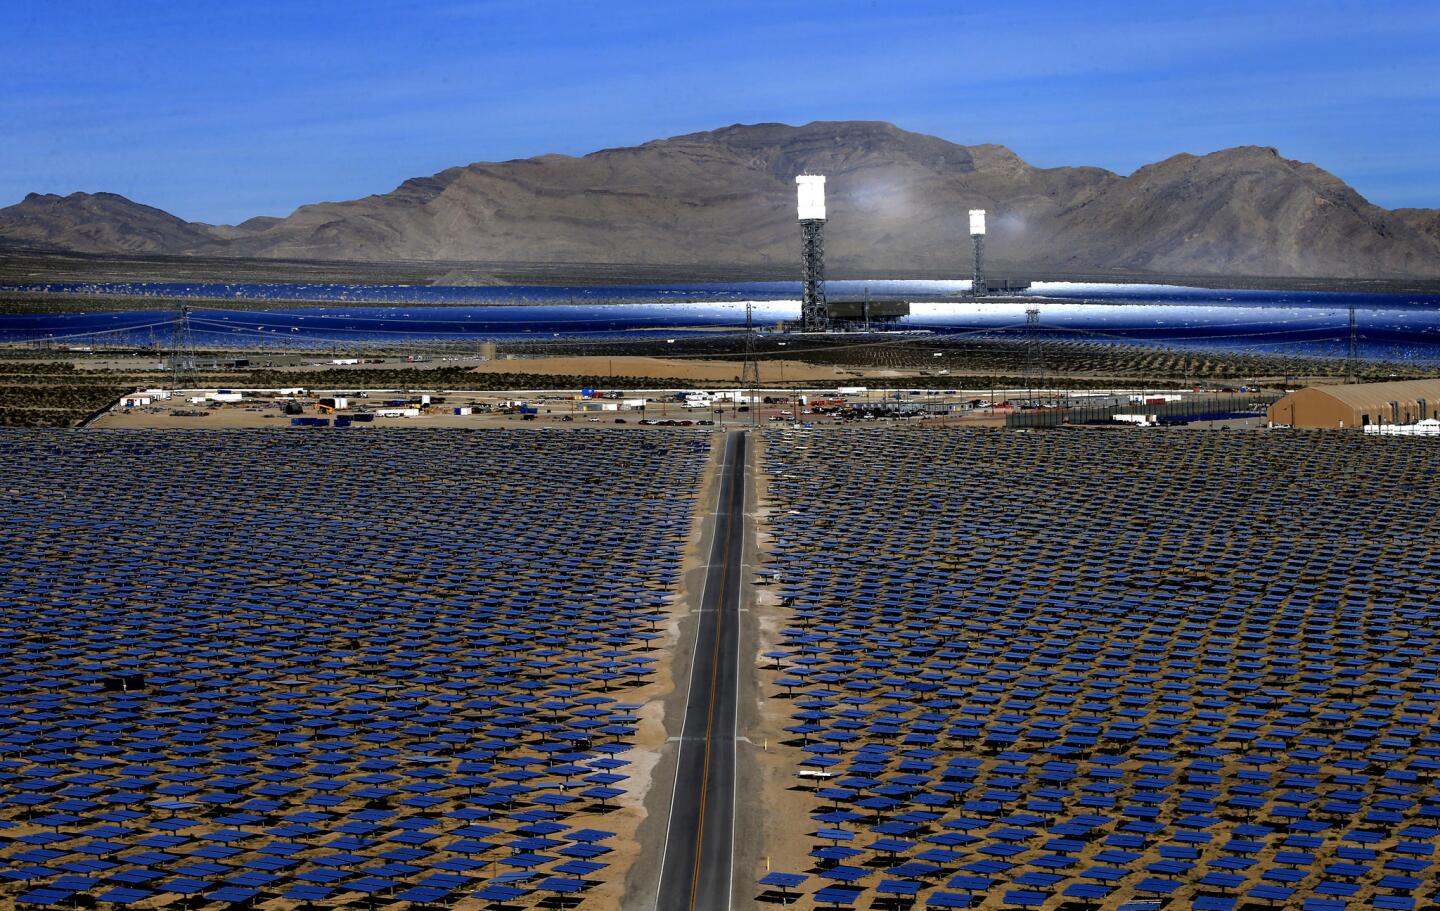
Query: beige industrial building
[(1358, 406)]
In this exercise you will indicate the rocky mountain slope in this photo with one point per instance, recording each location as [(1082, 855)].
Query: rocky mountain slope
[(897, 202), (1248, 208), (97, 223), (1426, 221)]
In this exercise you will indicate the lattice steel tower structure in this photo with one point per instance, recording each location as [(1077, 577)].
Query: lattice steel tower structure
[(750, 376), (1034, 357), (182, 357), (1352, 352), (977, 237), (814, 316)]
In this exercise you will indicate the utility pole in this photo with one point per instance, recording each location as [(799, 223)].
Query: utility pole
[(750, 375), (1351, 356), (182, 357), (1034, 365)]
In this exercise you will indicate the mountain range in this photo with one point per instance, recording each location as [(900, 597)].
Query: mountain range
[(897, 201)]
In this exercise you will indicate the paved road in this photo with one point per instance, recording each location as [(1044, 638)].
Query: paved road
[(696, 871)]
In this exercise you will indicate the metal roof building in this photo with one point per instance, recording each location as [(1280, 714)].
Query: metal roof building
[(1349, 406)]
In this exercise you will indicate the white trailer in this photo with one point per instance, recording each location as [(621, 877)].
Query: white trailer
[(1139, 420), (1426, 428), (1154, 398)]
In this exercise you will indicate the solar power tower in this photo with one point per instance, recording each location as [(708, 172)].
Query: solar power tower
[(814, 317), (977, 236)]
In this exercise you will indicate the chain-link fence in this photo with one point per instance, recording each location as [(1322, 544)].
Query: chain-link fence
[(1200, 407)]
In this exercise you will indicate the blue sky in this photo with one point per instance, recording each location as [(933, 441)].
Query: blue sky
[(218, 111)]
